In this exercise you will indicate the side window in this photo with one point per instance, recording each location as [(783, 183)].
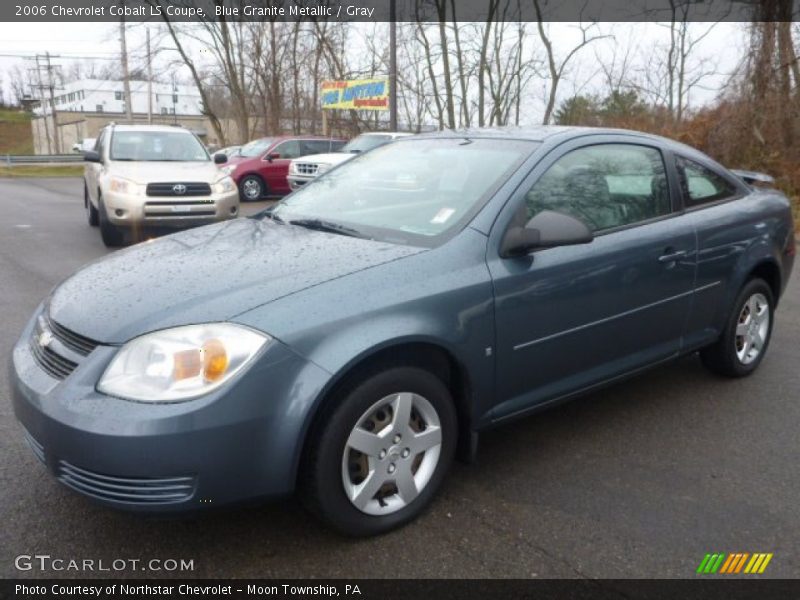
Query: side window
[(320, 146), (700, 184), (288, 149), (605, 186)]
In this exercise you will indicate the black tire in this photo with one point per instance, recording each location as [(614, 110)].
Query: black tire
[(92, 215), (252, 188), (321, 478), (112, 235), (722, 357)]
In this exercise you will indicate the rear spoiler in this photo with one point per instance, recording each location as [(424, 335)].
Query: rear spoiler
[(753, 177)]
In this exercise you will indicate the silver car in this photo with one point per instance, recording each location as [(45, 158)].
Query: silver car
[(142, 178)]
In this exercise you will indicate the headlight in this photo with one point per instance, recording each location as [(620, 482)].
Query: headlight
[(228, 169), (224, 185), (323, 167), (124, 186), (180, 363)]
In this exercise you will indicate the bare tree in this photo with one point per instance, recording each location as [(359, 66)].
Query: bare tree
[(673, 71), (19, 82), (557, 66)]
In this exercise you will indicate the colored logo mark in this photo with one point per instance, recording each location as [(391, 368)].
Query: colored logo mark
[(737, 562)]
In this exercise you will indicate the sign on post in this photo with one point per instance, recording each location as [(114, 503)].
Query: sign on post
[(356, 94)]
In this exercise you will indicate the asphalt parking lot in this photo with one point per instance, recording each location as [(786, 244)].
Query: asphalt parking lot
[(641, 479)]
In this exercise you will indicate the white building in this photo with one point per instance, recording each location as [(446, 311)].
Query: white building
[(107, 97)]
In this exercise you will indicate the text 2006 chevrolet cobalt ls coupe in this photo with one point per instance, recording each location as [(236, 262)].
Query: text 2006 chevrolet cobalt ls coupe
[(347, 342)]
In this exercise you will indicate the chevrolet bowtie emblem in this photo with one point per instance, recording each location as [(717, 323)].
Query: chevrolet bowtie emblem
[(45, 338)]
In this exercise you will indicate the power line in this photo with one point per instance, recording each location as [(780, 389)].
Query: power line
[(70, 57)]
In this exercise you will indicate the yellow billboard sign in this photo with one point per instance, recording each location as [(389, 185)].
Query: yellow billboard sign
[(356, 94)]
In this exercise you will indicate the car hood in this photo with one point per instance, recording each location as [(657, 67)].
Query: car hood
[(332, 158), (207, 274), (235, 160), (152, 172)]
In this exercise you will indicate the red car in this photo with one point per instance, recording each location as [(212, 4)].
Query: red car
[(260, 167)]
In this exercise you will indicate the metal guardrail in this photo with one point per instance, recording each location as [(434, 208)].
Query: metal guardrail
[(10, 160)]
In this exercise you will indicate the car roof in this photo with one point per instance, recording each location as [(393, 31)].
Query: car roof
[(394, 134), (148, 128), (284, 138), (542, 133)]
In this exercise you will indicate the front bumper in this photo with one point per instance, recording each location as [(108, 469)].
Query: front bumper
[(298, 181), (128, 210), (239, 443)]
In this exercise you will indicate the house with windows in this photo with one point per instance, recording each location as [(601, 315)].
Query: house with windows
[(108, 97), (84, 107)]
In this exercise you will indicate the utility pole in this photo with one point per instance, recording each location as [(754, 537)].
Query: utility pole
[(174, 100), (149, 81), (51, 85), (43, 105), (126, 83), (392, 65)]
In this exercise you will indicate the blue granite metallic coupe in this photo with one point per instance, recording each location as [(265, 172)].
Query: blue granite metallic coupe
[(349, 342)]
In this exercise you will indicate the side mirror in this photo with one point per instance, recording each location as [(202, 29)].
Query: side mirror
[(545, 230), (220, 159), (92, 156), (273, 155)]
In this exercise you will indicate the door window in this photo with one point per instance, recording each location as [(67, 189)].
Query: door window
[(700, 184), (320, 146), (288, 149), (605, 186)]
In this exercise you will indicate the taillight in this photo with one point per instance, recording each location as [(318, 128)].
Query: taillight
[(791, 246)]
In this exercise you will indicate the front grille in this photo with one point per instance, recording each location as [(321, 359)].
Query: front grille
[(128, 490), (306, 168), (74, 341), (54, 364), (174, 188), (50, 341), (38, 449)]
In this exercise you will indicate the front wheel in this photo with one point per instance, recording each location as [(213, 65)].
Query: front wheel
[(91, 212), (382, 453), (743, 343), (251, 188), (112, 235)]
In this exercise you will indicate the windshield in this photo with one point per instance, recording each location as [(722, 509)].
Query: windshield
[(410, 191), (255, 148), (147, 146), (365, 142)]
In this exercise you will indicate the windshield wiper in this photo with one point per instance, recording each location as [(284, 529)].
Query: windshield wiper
[(271, 214), (328, 226)]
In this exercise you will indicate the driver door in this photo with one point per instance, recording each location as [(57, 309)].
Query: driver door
[(570, 317), (276, 169)]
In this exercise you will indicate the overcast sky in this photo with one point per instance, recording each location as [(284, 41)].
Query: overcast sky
[(100, 41)]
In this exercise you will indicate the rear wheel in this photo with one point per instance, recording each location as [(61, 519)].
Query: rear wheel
[(91, 212), (112, 235), (252, 188), (743, 343), (382, 453)]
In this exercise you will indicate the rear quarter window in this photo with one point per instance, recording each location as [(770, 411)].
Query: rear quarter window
[(700, 185)]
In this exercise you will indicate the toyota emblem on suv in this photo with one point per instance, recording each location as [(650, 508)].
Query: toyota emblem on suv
[(179, 189)]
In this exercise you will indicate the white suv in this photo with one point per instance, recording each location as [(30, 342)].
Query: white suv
[(149, 177), (304, 169)]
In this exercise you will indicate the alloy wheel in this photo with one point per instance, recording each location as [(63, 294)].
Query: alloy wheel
[(251, 189), (752, 328)]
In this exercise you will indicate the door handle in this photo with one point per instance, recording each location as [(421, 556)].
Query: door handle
[(671, 255)]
